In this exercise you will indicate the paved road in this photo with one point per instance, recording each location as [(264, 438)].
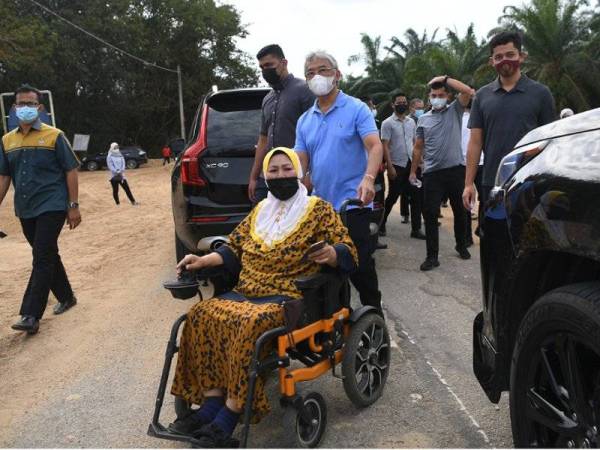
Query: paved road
[(102, 394)]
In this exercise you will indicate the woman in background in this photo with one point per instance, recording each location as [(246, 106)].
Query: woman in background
[(116, 165)]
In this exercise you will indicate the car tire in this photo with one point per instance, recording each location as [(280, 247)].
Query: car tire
[(92, 166), (131, 164), (555, 371)]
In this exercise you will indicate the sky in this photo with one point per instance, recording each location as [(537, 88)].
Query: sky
[(336, 25)]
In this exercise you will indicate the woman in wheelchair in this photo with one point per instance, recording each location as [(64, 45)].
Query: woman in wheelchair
[(270, 248)]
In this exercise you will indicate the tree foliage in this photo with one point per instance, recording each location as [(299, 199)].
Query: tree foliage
[(98, 90), (561, 37)]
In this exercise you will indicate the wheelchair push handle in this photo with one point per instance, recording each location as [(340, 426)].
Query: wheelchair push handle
[(344, 208)]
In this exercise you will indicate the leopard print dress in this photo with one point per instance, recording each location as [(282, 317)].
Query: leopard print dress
[(218, 337)]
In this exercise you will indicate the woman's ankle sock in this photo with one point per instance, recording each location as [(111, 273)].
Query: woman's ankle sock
[(226, 420), (210, 408)]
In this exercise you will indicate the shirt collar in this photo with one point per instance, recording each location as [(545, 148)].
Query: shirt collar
[(340, 101), (37, 125), (521, 85), (398, 119), (283, 83)]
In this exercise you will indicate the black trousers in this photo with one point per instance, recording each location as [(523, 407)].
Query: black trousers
[(115, 189), (365, 277), (404, 204), (48, 273), (401, 186), (451, 182)]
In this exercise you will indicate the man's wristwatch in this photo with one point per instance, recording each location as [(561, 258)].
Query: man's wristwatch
[(446, 79), (73, 205)]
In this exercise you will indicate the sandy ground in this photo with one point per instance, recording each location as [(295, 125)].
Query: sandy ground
[(115, 260), (89, 378)]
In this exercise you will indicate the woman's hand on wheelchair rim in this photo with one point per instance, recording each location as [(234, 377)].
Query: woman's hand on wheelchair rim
[(327, 255), (190, 262)]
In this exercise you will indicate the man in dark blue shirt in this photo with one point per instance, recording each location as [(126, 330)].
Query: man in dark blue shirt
[(281, 108), (503, 112), (39, 161)]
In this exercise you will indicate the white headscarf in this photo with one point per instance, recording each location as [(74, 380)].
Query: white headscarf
[(277, 219), (114, 149)]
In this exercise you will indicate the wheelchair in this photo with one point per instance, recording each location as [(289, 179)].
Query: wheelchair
[(324, 334)]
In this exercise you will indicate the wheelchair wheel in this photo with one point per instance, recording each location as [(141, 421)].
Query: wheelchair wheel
[(366, 361), (309, 430)]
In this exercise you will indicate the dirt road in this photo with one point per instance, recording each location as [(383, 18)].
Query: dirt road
[(115, 260), (89, 378)]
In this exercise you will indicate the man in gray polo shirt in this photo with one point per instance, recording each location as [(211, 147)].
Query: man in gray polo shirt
[(398, 133), (439, 142), (281, 108), (503, 112)]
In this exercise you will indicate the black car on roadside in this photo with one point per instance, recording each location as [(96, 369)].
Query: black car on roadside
[(538, 335), (134, 157), (209, 182)]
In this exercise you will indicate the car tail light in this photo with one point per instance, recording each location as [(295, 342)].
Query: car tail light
[(209, 219), (190, 169)]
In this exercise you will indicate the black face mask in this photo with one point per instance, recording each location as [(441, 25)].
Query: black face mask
[(283, 188), (270, 75), (401, 109)]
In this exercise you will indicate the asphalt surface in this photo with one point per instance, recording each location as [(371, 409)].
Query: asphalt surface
[(432, 398)]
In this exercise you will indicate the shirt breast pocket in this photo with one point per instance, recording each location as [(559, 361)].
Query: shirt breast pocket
[(43, 160)]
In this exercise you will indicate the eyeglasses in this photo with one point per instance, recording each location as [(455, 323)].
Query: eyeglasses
[(320, 71), (20, 104)]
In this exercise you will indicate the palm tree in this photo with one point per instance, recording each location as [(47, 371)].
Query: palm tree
[(556, 32)]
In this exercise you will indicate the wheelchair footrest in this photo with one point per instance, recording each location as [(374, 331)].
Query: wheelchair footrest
[(159, 431)]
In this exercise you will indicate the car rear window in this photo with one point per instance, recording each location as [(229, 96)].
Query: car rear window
[(234, 123)]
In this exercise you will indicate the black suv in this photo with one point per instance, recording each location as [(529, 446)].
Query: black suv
[(210, 179), (538, 335), (134, 157)]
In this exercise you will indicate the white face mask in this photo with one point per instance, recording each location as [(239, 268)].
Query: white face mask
[(320, 85), (438, 103)]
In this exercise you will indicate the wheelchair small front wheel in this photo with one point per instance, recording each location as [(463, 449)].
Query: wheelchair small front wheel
[(366, 361), (308, 427)]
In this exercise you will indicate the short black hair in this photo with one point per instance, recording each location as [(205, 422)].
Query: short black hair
[(271, 49), (24, 88), (506, 37), (365, 98), (438, 85), (399, 94)]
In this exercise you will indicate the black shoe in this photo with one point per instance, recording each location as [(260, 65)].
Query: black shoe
[(418, 235), (380, 246), (440, 216), (382, 232), (60, 308), (430, 263), (478, 231), (27, 323), (211, 436), (463, 252), (444, 204), (470, 243), (187, 425), (404, 219)]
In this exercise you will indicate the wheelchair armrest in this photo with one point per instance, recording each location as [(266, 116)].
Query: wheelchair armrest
[(210, 272), (315, 280)]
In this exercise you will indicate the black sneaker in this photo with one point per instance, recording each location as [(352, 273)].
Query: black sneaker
[(418, 235), (187, 425), (470, 243), (27, 323), (463, 252), (60, 308), (429, 264), (382, 232), (211, 436)]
